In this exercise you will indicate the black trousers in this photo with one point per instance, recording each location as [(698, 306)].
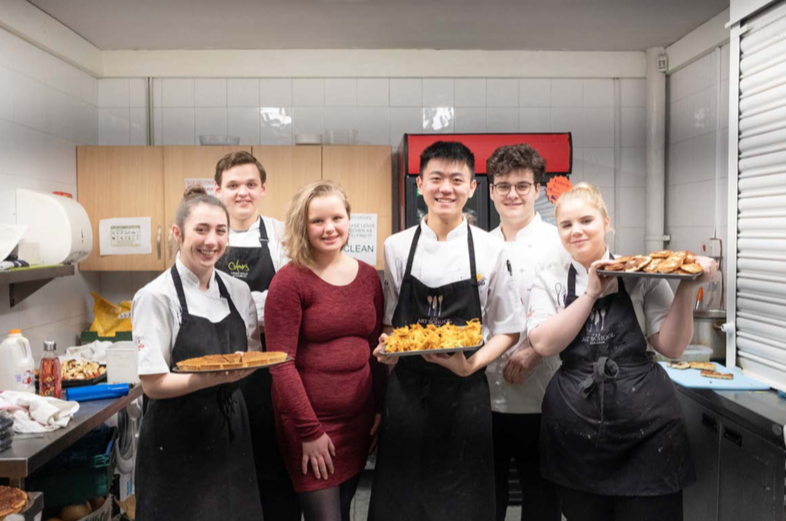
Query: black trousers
[(585, 506), (517, 438)]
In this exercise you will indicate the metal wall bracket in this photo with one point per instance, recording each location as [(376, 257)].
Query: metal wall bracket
[(23, 283)]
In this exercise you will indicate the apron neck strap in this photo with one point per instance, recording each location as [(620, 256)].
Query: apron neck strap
[(411, 256), (262, 232), (470, 245), (181, 295), (571, 296)]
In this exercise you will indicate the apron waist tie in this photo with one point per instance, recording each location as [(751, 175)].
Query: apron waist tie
[(604, 369)]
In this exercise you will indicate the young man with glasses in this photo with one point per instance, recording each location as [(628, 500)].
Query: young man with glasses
[(517, 380)]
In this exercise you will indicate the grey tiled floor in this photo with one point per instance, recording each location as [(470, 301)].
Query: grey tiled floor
[(360, 503)]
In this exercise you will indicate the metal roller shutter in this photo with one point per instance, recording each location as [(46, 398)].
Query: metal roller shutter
[(757, 295)]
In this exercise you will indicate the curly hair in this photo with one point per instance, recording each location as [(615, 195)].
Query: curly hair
[(295, 241), (506, 159)]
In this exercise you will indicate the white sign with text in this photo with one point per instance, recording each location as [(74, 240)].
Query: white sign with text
[(362, 243)]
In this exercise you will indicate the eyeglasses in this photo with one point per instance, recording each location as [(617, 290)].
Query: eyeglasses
[(503, 189)]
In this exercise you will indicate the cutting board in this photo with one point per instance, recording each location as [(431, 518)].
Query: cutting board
[(692, 379)]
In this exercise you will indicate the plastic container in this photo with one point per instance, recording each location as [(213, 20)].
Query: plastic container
[(121, 363), (219, 140), (82, 472), (96, 392), (693, 353), (341, 136), (50, 379), (16, 363)]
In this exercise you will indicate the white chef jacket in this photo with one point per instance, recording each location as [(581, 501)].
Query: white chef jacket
[(250, 239), (651, 298), (439, 263), (155, 314), (535, 245)]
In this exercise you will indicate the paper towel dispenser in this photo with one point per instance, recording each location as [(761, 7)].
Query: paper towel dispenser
[(58, 224)]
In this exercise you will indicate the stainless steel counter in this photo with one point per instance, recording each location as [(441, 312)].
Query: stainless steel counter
[(762, 412), (30, 452)]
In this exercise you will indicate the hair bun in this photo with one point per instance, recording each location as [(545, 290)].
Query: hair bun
[(193, 191)]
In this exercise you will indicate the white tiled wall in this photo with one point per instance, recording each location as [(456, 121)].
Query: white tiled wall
[(693, 139), (47, 107), (273, 110)]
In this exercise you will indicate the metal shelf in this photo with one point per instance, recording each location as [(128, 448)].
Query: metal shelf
[(23, 283)]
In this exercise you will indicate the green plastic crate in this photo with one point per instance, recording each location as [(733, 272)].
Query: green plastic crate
[(92, 336), (82, 472)]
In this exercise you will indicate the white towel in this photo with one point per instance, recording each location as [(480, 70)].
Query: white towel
[(94, 352), (33, 413)]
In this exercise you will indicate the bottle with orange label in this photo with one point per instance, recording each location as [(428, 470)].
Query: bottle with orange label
[(49, 375)]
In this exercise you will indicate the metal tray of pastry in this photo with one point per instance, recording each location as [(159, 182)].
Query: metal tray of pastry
[(434, 351), (65, 384), (644, 275), (183, 371)]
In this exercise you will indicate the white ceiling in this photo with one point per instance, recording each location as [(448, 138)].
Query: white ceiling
[(576, 25)]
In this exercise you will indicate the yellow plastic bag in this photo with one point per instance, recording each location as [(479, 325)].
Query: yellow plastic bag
[(110, 318)]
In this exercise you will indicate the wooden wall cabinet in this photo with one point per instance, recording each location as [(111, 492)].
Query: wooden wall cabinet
[(181, 163), (150, 181), (123, 182), (288, 169), (365, 173)]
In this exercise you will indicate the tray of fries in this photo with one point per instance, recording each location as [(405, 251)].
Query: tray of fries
[(425, 340), (665, 264)]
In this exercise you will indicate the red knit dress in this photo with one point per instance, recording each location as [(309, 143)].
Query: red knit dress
[(335, 385)]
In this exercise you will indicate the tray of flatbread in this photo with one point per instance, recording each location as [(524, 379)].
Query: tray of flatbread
[(425, 340), (664, 264), (240, 361), (711, 375)]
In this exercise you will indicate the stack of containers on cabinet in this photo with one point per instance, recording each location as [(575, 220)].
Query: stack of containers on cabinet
[(6, 431)]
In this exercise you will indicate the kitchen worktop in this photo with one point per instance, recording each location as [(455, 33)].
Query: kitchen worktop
[(30, 452), (762, 412)]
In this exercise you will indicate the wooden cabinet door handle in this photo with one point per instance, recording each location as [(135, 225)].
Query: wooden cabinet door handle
[(158, 242)]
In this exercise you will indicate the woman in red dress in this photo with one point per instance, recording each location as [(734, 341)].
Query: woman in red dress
[(325, 310)]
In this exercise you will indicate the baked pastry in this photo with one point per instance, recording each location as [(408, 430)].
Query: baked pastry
[(12, 500), (672, 263), (663, 254), (652, 267), (704, 366), (717, 375), (624, 259), (691, 268), (690, 258), (617, 266), (678, 365), (636, 263), (257, 358), (231, 361)]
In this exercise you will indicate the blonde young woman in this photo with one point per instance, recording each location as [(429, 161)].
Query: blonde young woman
[(612, 435), (325, 310)]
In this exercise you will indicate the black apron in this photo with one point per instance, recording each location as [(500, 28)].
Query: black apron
[(612, 424), (435, 459), (255, 267), (194, 459)]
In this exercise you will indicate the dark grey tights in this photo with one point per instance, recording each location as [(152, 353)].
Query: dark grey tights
[(330, 504)]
